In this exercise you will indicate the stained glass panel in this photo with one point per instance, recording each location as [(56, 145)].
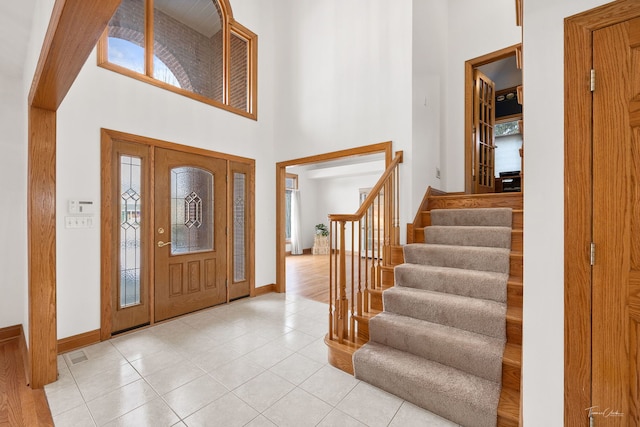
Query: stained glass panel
[(192, 199), (239, 221), (130, 230)]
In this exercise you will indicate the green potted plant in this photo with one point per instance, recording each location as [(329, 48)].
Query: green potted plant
[(322, 230), (321, 240)]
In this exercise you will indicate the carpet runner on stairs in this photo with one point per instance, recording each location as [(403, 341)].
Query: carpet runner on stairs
[(440, 339)]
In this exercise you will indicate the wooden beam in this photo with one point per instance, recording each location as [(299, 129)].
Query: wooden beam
[(42, 246), (74, 30)]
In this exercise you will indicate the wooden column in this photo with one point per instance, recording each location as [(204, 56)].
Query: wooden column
[(42, 246), (74, 29)]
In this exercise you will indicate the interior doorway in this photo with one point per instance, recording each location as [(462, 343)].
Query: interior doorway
[(493, 122), (602, 323), (176, 230), (383, 148)]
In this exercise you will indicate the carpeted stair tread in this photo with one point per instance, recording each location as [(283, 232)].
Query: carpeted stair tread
[(463, 398), (496, 217), (467, 257), (470, 283), (471, 314), (469, 352), (495, 237)]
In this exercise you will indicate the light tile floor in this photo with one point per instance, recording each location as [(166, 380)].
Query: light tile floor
[(255, 362)]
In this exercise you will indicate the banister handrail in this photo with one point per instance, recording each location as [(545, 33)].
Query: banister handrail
[(360, 249), (368, 201)]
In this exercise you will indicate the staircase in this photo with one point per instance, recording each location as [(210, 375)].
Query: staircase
[(442, 345), (440, 339)]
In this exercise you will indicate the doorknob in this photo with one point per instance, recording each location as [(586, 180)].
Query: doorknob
[(162, 244)]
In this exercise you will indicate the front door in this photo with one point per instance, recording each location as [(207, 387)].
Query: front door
[(177, 230), (190, 232), (484, 118), (615, 394)]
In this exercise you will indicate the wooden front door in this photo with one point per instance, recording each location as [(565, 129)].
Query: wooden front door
[(615, 394), (190, 232), (484, 118)]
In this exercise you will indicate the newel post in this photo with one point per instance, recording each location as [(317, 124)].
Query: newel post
[(343, 303)]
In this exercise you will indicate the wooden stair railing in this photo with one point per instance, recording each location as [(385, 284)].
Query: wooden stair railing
[(360, 247)]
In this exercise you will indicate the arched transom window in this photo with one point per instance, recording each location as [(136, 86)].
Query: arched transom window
[(192, 47)]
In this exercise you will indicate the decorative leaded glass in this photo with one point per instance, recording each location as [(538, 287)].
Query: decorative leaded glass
[(192, 201), (239, 218), (193, 210), (130, 231)]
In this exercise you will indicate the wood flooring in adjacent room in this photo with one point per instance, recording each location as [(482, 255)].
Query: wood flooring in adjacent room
[(308, 276), (19, 404)]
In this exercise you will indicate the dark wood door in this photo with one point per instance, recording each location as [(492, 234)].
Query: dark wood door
[(616, 226), (190, 232), (484, 117)]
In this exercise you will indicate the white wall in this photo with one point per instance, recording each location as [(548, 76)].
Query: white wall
[(103, 99), (13, 193), (341, 195), (345, 78), (475, 29), (429, 95), (543, 349), (14, 90)]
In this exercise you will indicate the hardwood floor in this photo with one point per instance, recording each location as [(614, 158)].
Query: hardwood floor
[(308, 276), (19, 404)]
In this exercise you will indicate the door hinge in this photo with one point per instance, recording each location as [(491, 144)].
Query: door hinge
[(593, 80), (592, 421), (226, 283), (592, 254)]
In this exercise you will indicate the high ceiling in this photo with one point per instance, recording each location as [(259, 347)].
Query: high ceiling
[(16, 18)]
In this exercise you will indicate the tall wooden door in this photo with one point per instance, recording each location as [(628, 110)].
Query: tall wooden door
[(484, 118), (189, 231), (616, 226)]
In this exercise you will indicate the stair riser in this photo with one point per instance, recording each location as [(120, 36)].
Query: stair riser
[(514, 294), (514, 332), (458, 257), (479, 318), (516, 239), (517, 244), (515, 266), (386, 277), (375, 300), (423, 386), (463, 201), (482, 357), (489, 286), (496, 237), (397, 255), (517, 221), (511, 377)]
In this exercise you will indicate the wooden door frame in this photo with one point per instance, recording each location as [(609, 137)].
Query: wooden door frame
[(281, 171), (74, 29), (578, 200), (469, 66), (108, 263)]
